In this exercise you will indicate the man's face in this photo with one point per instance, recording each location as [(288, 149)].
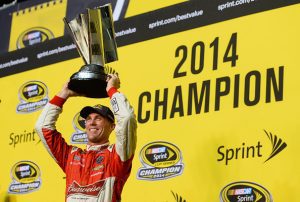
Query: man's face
[(98, 129)]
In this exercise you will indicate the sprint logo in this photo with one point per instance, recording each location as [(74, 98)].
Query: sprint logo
[(228, 154)]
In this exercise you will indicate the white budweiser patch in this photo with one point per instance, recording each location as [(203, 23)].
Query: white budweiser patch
[(91, 189)]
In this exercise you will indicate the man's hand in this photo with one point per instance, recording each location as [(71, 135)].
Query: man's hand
[(112, 81), (66, 92)]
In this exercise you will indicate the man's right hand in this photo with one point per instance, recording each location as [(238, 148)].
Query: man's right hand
[(65, 92)]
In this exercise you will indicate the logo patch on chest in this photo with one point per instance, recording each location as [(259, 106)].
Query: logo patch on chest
[(76, 158), (99, 159), (98, 167)]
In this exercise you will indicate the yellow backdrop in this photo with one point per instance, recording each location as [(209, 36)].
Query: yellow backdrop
[(249, 84)]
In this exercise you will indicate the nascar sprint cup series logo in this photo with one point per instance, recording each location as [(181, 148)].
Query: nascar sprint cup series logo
[(33, 36), (25, 178), (245, 191), (79, 136), (33, 96), (161, 160)]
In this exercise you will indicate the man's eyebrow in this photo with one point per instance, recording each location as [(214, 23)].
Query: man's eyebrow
[(98, 115)]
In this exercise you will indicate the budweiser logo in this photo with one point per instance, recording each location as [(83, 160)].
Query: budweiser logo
[(91, 189)]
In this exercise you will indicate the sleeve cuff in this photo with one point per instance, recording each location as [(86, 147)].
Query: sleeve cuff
[(112, 91), (58, 101)]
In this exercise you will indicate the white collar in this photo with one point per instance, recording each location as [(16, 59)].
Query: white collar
[(96, 147)]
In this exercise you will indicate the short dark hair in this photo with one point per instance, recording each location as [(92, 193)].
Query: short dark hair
[(99, 109)]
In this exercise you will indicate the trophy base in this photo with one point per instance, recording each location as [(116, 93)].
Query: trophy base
[(92, 88), (90, 81)]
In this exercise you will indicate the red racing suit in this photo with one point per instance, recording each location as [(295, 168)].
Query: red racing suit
[(99, 172)]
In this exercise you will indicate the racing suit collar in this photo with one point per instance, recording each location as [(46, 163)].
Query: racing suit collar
[(96, 147)]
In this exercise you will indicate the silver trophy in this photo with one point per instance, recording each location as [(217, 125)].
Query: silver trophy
[(94, 36)]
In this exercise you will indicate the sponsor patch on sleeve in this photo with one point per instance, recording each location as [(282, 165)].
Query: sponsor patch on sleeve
[(114, 105)]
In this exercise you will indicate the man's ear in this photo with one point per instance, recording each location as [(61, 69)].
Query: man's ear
[(113, 125)]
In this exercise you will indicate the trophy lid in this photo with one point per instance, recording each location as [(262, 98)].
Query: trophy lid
[(90, 81)]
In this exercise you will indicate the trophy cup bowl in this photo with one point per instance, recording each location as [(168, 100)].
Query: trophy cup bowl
[(89, 81)]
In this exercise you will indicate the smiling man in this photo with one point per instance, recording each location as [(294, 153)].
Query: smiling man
[(99, 172)]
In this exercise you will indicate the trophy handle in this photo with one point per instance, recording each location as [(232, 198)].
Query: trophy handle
[(76, 41)]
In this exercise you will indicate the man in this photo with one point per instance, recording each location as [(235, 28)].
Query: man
[(99, 172)]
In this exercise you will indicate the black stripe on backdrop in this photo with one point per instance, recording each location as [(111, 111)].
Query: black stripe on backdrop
[(188, 15)]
